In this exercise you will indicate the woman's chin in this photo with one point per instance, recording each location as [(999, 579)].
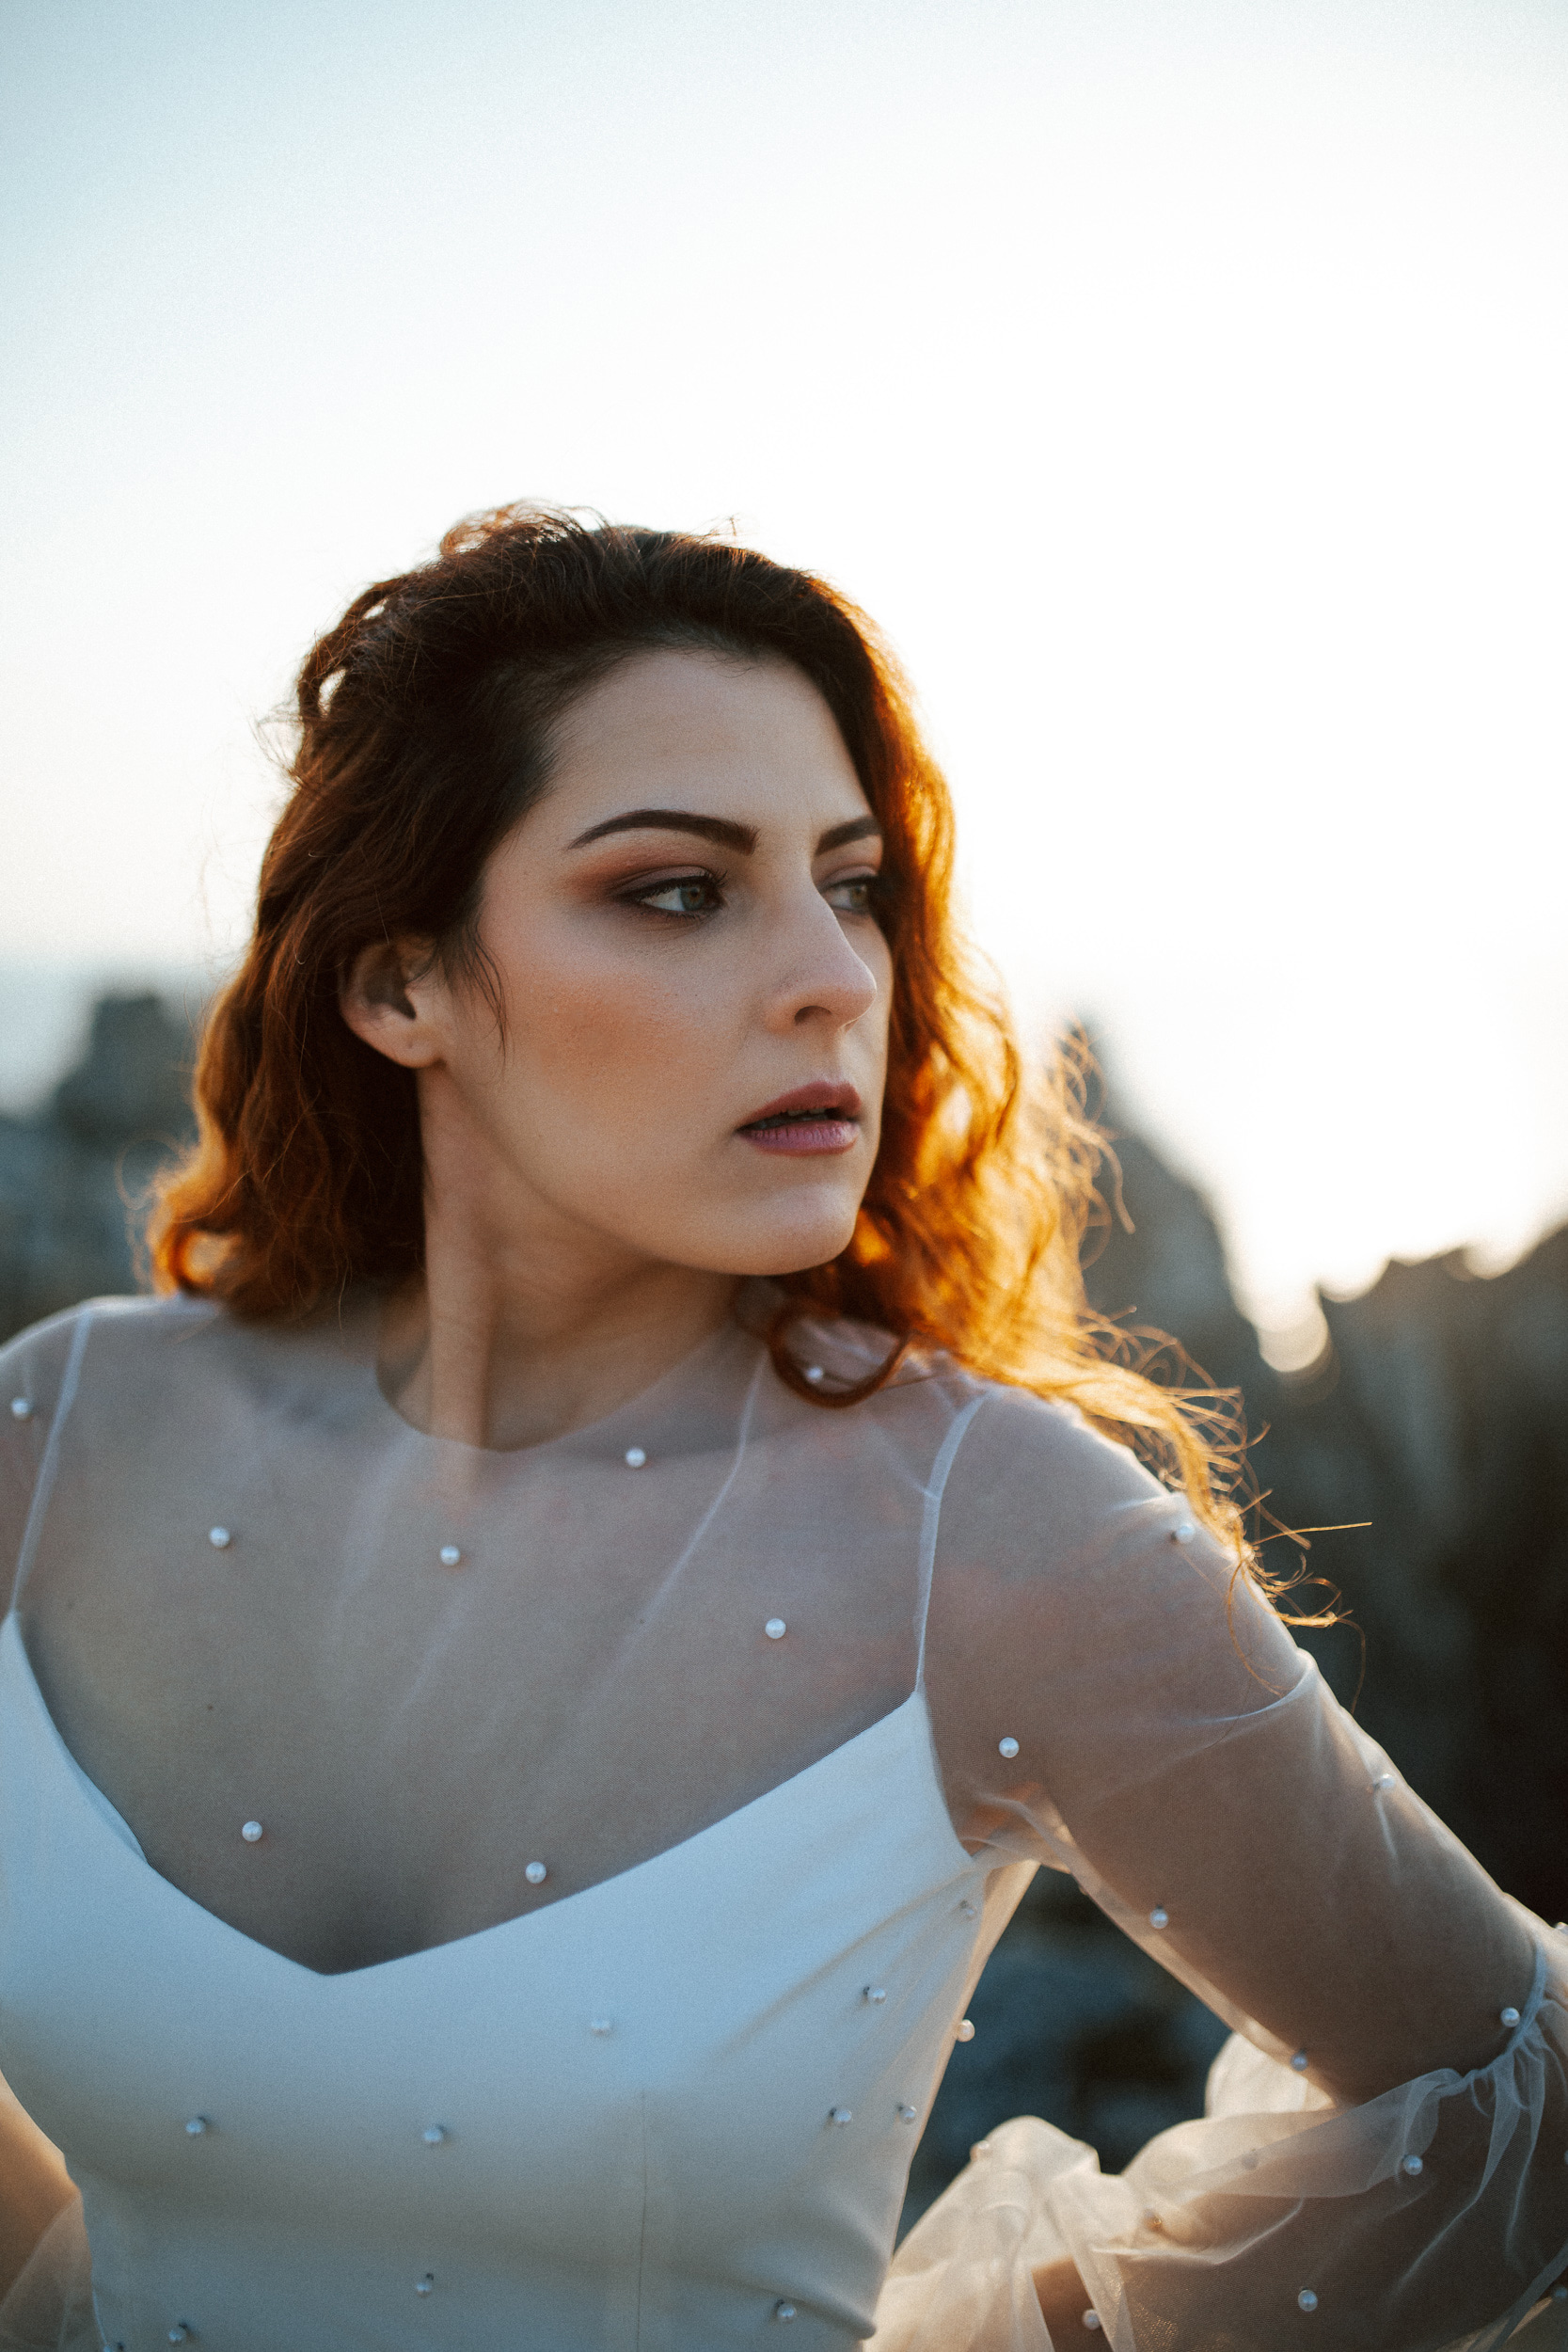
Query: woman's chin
[(790, 1245)]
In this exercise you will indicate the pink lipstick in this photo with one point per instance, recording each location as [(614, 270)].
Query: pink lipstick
[(823, 1116)]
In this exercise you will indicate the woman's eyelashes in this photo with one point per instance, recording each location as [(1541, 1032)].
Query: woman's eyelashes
[(682, 898)]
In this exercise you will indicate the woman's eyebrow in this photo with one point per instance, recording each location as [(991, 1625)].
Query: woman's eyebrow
[(858, 829), (720, 829)]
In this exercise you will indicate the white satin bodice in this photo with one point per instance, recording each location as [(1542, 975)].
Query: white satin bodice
[(635, 2088)]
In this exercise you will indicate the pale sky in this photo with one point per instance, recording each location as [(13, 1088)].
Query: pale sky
[(1181, 385)]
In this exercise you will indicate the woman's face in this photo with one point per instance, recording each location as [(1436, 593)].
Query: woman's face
[(696, 986)]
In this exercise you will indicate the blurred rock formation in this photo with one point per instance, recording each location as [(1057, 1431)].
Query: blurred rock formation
[(1438, 1412), (74, 1179)]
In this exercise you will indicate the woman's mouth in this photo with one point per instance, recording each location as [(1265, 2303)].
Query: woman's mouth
[(822, 1118)]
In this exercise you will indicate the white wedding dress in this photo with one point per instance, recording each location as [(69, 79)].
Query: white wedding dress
[(706, 1752)]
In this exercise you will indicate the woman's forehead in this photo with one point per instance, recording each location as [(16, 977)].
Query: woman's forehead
[(752, 740)]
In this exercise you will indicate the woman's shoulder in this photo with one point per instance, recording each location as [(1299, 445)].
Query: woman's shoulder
[(139, 1359), (1020, 1472), (1037, 1485), (38, 1363)]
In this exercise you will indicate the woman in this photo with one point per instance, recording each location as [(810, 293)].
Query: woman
[(538, 1669)]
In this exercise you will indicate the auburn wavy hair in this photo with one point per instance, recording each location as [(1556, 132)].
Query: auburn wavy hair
[(426, 720)]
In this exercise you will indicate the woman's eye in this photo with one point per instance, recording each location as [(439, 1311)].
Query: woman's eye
[(695, 893), (857, 895)]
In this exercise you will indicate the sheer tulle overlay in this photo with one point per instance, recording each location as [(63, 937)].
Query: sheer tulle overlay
[(651, 1624)]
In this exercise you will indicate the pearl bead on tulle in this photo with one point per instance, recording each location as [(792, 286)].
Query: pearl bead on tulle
[(1299, 2061), (874, 1993), (180, 2335), (448, 1555), (814, 1373), (968, 1910), (600, 2025), (1159, 1917), (433, 2136), (775, 1629), (840, 2116), (783, 2311), (535, 1873), (1307, 2300), (635, 1457), (1091, 2319), (250, 1832), (1412, 2165), (196, 2125), (906, 2113), (20, 1409), (426, 2284), (965, 2032), (1183, 1531), (219, 1538), (1007, 1747), (1508, 2017)]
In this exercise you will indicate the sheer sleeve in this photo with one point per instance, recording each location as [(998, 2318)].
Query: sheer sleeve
[(1381, 2165)]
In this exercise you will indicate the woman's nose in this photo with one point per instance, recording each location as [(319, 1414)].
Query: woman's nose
[(820, 975)]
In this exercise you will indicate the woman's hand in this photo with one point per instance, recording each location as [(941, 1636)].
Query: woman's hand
[(1064, 2299), (33, 2185)]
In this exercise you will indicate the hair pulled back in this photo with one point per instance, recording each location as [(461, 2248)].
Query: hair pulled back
[(425, 725)]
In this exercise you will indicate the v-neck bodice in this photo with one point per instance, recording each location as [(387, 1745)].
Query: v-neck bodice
[(642, 2117)]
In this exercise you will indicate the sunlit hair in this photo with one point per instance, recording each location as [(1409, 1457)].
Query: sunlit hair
[(426, 720)]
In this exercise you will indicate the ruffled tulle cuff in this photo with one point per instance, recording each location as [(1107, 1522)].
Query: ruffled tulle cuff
[(1430, 2220)]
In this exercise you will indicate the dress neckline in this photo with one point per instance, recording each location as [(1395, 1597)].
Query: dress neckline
[(107, 1819)]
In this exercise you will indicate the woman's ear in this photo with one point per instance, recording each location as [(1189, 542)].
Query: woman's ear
[(385, 1002)]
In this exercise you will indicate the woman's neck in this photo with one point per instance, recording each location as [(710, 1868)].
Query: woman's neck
[(526, 1323)]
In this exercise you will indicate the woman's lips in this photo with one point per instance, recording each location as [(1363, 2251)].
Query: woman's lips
[(819, 1118)]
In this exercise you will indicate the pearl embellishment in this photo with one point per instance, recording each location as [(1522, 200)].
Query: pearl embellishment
[(432, 2135), (250, 1832), (783, 2311), (1411, 2165), (814, 1373), (180, 2335), (1508, 2017), (448, 1555), (219, 1538), (1091, 2319), (20, 1409), (635, 1457), (1306, 2300), (965, 2032), (1299, 2061), (1006, 1747), (600, 2025), (840, 2116), (425, 2285), (968, 1910), (1159, 1917), (906, 2113), (1183, 1531), (775, 1629), (196, 2125), (874, 1993), (535, 1873), (1384, 1780)]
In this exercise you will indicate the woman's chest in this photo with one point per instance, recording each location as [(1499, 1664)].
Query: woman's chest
[(399, 1704)]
